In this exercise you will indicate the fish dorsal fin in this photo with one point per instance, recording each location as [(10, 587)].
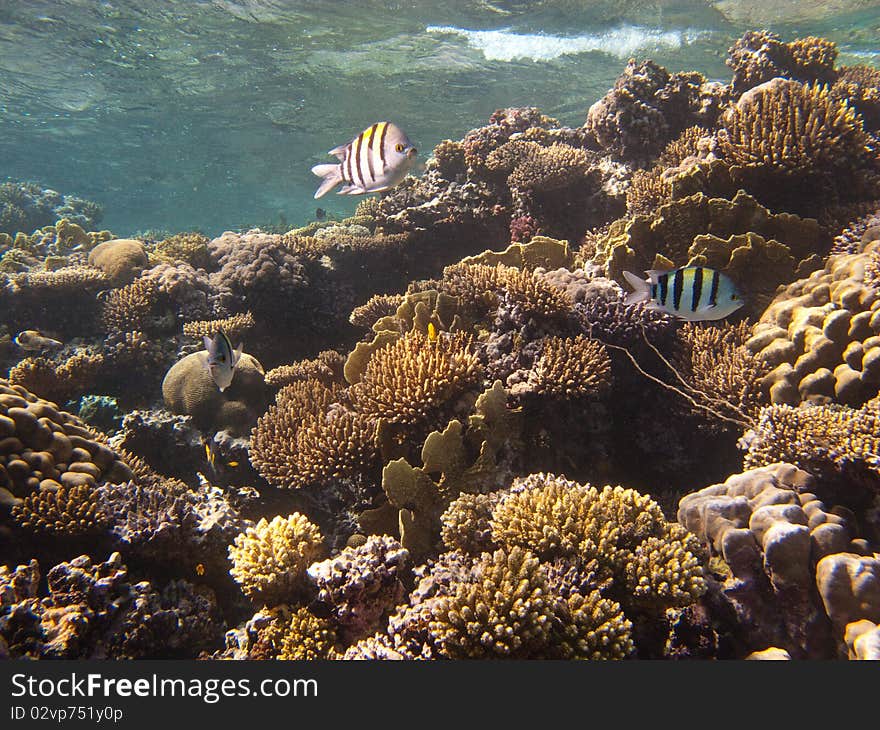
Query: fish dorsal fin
[(654, 274), (340, 151), (207, 342)]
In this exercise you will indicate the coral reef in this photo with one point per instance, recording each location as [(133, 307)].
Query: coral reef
[(820, 333), (269, 560), (25, 206)]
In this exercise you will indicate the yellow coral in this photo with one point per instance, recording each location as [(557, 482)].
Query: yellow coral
[(62, 510), (235, 326), (307, 637), (269, 560)]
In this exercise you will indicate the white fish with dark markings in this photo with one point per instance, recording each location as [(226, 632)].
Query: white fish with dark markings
[(221, 359), (36, 341), (693, 293), (376, 160)]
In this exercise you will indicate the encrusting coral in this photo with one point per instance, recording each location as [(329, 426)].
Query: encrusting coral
[(269, 560)]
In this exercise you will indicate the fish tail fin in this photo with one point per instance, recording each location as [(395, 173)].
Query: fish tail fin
[(332, 175), (236, 354), (640, 292)]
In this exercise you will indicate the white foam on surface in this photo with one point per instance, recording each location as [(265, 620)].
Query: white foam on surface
[(621, 42)]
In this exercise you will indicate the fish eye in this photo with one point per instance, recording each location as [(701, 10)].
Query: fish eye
[(734, 297), (399, 147)]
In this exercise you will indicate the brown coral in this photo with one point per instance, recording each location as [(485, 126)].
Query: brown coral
[(61, 510), (58, 382), (121, 259), (378, 306), (860, 87), (414, 378), (568, 368), (326, 367), (309, 436), (235, 326), (129, 307), (191, 248)]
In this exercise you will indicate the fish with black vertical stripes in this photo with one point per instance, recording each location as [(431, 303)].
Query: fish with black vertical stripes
[(693, 293), (376, 160)]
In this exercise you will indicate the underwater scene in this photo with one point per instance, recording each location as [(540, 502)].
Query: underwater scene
[(485, 329)]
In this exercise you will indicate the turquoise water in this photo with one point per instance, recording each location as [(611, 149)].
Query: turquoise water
[(208, 115)]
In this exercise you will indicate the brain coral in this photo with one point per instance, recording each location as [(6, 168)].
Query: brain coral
[(121, 259), (269, 560), (188, 388), (821, 334)]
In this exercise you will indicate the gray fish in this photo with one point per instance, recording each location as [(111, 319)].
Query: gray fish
[(693, 293), (221, 359), (36, 341), (376, 160)]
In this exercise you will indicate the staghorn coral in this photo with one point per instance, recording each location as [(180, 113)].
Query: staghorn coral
[(121, 259), (860, 87), (771, 526), (648, 107), (58, 382), (567, 368), (269, 560), (235, 327), (480, 289), (504, 604), (62, 511), (723, 374), (361, 585), (378, 306), (623, 531), (326, 367), (782, 131), (411, 380), (309, 436), (832, 441), (819, 335), (130, 307), (188, 388)]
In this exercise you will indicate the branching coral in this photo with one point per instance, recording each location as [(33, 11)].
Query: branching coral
[(269, 560), (724, 376), (130, 307), (63, 511), (58, 382), (378, 306), (567, 368), (860, 86), (326, 367), (235, 327), (191, 248), (413, 379), (310, 436)]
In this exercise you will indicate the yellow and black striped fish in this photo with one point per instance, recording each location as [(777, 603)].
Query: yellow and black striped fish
[(694, 293), (377, 159)]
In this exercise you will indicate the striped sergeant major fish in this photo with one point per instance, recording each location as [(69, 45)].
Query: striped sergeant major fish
[(221, 359), (694, 293), (377, 159)]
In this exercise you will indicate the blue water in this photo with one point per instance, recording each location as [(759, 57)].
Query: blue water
[(209, 115)]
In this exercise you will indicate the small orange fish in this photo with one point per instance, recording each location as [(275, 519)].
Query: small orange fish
[(432, 332), (200, 569)]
